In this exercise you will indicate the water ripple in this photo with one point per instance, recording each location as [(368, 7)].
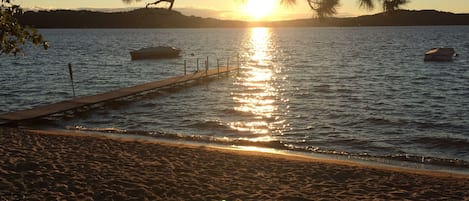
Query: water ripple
[(357, 91)]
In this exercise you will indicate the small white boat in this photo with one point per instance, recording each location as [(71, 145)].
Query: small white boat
[(155, 53), (440, 54)]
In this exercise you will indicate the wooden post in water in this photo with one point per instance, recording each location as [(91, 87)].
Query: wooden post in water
[(185, 67), (227, 65), (218, 67), (70, 71), (206, 67), (237, 60)]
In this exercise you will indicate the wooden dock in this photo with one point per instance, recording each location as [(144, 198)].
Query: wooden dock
[(80, 102)]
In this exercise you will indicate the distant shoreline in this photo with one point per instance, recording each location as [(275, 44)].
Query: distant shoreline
[(161, 18)]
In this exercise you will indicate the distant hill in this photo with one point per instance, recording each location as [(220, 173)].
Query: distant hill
[(396, 18), (139, 18), (162, 18), (406, 18)]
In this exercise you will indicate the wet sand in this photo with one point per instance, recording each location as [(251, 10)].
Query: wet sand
[(56, 165)]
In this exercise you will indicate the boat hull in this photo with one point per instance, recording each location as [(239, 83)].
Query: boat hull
[(440, 54), (438, 58)]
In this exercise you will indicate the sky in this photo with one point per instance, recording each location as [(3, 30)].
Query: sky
[(250, 10)]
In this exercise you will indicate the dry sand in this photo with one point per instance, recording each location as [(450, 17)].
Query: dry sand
[(57, 166)]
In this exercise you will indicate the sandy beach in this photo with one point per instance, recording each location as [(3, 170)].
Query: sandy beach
[(55, 165)]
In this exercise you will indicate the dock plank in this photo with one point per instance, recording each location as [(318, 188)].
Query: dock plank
[(75, 103), (41, 111)]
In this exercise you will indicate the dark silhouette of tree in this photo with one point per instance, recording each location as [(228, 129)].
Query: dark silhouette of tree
[(387, 5), (12, 34), (325, 8)]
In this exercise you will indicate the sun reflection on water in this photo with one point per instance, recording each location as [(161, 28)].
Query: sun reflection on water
[(260, 42), (257, 95)]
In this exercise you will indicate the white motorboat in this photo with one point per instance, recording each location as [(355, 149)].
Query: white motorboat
[(440, 54)]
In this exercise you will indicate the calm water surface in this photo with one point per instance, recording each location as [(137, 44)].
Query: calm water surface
[(353, 91)]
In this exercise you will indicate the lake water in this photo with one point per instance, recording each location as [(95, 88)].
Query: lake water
[(362, 91)]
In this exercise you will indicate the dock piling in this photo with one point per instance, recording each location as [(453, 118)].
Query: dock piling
[(227, 63), (237, 62), (206, 67), (70, 71), (185, 67)]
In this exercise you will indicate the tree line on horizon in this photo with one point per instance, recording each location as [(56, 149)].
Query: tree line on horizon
[(163, 18), (13, 34)]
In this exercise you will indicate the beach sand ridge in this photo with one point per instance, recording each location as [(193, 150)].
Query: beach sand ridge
[(56, 166)]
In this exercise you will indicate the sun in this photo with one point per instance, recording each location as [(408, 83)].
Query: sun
[(255, 10)]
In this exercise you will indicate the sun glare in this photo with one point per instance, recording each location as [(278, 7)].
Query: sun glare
[(255, 10)]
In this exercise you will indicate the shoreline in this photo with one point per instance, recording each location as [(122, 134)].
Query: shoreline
[(367, 160), (40, 165), (391, 165)]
